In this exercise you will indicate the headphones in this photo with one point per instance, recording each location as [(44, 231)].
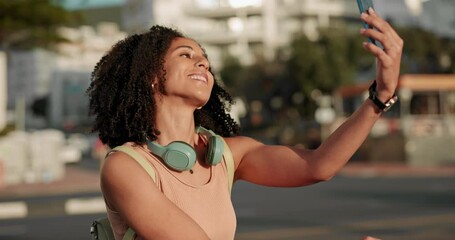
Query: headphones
[(181, 156)]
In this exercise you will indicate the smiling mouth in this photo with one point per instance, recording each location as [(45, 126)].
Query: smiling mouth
[(199, 77)]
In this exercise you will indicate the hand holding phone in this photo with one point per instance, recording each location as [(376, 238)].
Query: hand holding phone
[(364, 5)]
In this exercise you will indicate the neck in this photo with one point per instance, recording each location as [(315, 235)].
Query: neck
[(175, 122)]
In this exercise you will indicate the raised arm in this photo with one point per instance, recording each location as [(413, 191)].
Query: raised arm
[(291, 166)]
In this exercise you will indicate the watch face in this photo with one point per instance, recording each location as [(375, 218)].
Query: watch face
[(387, 108), (390, 103)]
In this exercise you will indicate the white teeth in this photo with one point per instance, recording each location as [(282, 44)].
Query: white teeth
[(198, 77)]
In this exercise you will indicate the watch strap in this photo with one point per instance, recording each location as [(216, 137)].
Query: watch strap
[(373, 95)]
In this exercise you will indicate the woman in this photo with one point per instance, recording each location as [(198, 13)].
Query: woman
[(156, 88)]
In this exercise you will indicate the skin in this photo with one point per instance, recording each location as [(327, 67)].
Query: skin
[(255, 162)]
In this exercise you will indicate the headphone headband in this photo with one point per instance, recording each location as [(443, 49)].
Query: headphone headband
[(181, 156)]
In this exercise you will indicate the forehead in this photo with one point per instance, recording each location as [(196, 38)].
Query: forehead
[(188, 43)]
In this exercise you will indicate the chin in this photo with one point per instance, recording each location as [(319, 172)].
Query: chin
[(201, 104)]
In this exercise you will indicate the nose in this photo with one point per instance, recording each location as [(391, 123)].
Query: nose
[(203, 62)]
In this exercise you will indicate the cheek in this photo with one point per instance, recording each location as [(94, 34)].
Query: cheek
[(172, 74), (212, 80)]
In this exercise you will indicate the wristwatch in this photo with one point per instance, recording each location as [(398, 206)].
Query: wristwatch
[(373, 95)]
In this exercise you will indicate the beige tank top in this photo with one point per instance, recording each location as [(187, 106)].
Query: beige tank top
[(209, 205)]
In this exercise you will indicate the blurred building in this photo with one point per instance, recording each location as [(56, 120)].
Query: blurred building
[(3, 91), (68, 104), (68, 108), (28, 75), (245, 29), (138, 15), (433, 15), (45, 95), (32, 157), (41, 76), (250, 28), (418, 131), (31, 74), (95, 11)]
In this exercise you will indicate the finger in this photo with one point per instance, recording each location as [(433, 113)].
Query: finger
[(379, 32), (390, 45), (380, 24), (380, 54), (372, 19), (384, 23), (389, 38)]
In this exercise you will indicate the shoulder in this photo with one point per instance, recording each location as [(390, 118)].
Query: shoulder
[(116, 167), (241, 146), (120, 169), (242, 143), (116, 160), (122, 176), (120, 161)]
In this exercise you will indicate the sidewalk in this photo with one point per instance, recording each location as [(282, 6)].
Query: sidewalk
[(395, 170), (80, 180), (15, 199), (76, 180)]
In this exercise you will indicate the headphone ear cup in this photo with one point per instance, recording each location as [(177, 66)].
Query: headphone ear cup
[(178, 155), (215, 150)]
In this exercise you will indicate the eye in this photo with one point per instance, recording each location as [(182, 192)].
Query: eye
[(185, 55)]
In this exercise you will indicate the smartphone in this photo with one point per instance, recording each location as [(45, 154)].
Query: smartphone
[(364, 5)]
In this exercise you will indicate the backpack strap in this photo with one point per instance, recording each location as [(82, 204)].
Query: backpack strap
[(130, 234), (139, 158), (229, 160)]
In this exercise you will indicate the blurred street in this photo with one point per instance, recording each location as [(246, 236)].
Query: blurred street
[(390, 202), (349, 208), (296, 69)]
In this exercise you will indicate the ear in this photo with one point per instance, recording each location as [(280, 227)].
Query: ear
[(154, 81)]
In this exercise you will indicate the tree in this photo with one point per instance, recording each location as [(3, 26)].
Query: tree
[(425, 52), (335, 59), (231, 73), (25, 24), (325, 64), (255, 81)]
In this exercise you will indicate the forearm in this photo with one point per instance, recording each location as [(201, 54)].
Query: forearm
[(333, 154), (339, 147)]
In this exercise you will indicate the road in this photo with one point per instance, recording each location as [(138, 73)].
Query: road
[(349, 208), (343, 208)]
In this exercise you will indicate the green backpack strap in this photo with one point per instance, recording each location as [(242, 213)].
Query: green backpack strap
[(139, 158), (130, 234), (145, 164), (101, 229), (229, 160)]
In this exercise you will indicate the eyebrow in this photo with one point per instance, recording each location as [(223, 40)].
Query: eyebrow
[(192, 49)]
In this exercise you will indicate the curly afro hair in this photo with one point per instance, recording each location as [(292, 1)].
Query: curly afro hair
[(121, 92)]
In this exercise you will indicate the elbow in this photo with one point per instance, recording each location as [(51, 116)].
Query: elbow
[(322, 168), (321, 176), (312, 178)]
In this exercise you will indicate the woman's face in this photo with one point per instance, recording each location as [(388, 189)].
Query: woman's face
[(187, 73)]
